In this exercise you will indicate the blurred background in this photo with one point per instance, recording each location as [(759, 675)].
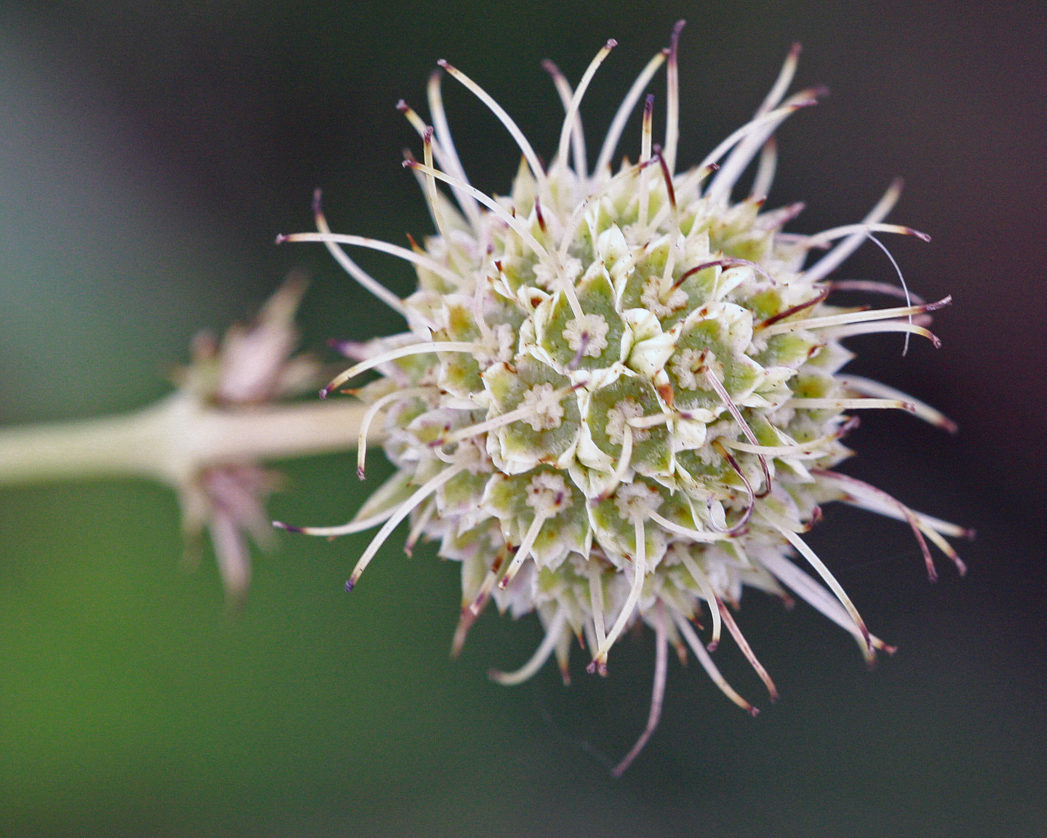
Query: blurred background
[(149, 153)]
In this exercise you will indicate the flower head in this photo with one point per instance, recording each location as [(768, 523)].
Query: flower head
[(619, 397)]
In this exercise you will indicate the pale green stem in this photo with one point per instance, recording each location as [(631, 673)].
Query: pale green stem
[(174, 438)]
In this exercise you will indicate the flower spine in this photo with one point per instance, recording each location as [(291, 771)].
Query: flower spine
[(618, 396)]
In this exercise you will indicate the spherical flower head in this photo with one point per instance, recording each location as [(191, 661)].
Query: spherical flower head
[(619, 396)]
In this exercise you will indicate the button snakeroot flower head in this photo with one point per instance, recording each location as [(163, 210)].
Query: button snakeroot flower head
[(619, 394)]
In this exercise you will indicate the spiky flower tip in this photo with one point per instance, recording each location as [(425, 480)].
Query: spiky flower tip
[(619, 397)]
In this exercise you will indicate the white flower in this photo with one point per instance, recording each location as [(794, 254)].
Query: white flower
[(674, 372)]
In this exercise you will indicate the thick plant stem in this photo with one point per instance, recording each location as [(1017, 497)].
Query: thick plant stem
[(174, 438)]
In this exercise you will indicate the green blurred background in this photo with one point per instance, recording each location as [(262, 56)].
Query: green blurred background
[(148, 155)]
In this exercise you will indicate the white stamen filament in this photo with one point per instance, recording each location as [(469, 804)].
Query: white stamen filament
[(523, 551), (828, 263), (503, 117), (765, 169), (725, 397), (743, 644), (571, 116), (672, 100), (850, 404), (419, 259), (883, 326), (639, 574), (661, 668), (401, 512), (868, 387), (834, 586), (816, 596), (450, 160), (511, 221), (596, 600), (876, 500), (365, 280), (869, 316), (706, 587), (614, 132), (753, 135), (372, 410), (563, 90), (686, 532), (646, 140), (431, 194), (541, 655), (423, 348), (781, 84), (707, 664)]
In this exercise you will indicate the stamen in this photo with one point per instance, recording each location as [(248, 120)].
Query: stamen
[(772, 118), (785, 78), (523, 551), (418, 528), (404, 253), (614, 133), (828, 263), (596, 600), (876, 500), (672, 98), (901, 281), (639, 573), (401, 512), (864, 316), (747, 514), (563, 89), (541, 655), (743, 644), (875, 286), (661, 668), (449, 160), (706, 587), (667, 175), (626, 456), (372, 411), (751, 138), (868, 387), (834, 586), (765, 169), (571, 117), (422, 348), (349, 528), (427, 134), (367, 281), (817, 597), (511, 221), (430, 183), (686, 532), (725, 397), (707, 664), (646, 132), (504, 118), (841, 332), (851, 404), (789, 312)]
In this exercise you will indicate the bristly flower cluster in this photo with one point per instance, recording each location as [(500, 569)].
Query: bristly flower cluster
[(619, 395)]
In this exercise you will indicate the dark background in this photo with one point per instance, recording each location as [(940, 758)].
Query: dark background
[(149, 155)]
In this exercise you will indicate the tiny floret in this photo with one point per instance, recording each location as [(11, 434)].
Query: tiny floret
[(618, 398)]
